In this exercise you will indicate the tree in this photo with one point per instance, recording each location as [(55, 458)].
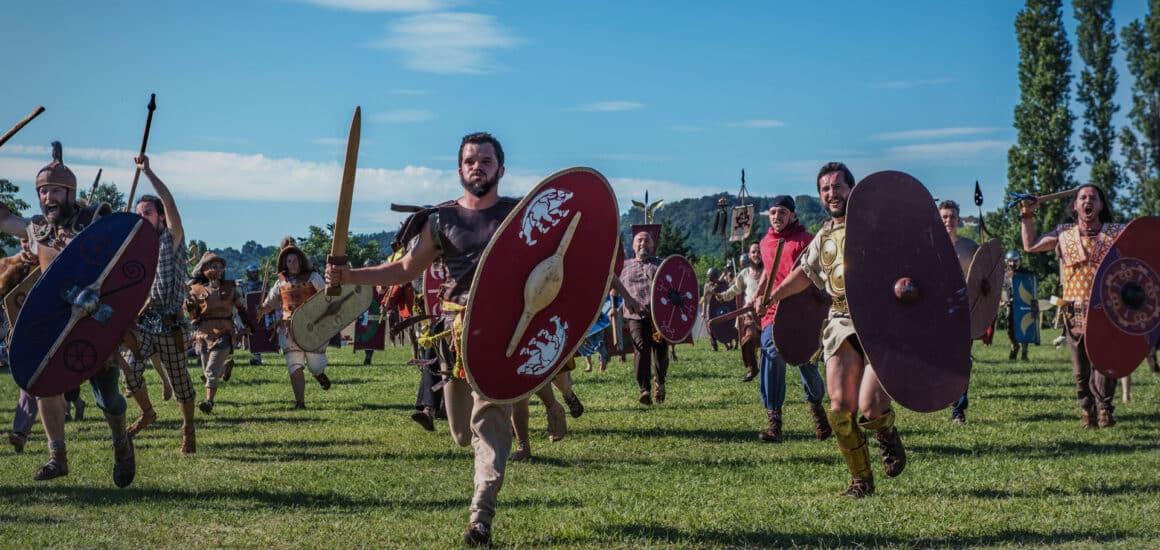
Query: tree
[(1140, 141), (360, 250), (1041, 160), (673, 241), (106, 193), (1096, 43), (8, 191)]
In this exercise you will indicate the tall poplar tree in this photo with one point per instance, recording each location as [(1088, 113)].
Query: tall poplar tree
[(1041, 161), (1141, 139), (1096, 44)]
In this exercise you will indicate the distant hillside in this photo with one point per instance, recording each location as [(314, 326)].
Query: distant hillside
[(254, 253), (695, 216)]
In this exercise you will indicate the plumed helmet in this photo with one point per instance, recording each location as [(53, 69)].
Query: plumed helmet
[(1011, 256), (55, 172), (713, 274)]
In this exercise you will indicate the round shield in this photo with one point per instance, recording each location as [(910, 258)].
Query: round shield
[(673, 299), (906, 293), (1123, 318), (77, 312), (797, 324), (317, 321), (985, 286), (725, 333), (540, 284)]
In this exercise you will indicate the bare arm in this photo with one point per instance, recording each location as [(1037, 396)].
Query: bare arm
[(411, 265), (1032, 242), (172, 216)]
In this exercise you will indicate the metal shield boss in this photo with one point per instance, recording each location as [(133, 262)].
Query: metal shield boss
[(540, 284), (78, 311), (985, 286), (322, 317), (673, 299), (263, 339), (1123, 317), (906, 293), (797, 324)]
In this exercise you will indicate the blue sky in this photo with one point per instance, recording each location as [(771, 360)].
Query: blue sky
[(255, 97)]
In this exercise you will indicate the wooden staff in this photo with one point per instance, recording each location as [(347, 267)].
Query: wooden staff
[(8, 135), (144, 141)]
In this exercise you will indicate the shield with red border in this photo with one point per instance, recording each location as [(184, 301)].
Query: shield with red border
[(1123, 317), (797, 324), (724, 333), (369, 332), (74, 317), (263, 339), (673, 299), (540, 284), (906, 292), (985, 286)]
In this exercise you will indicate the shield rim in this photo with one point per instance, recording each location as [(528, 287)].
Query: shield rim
[(652, 298), (1113, 256), (510, 219)]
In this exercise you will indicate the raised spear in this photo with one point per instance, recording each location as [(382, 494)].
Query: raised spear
[(144, 141)]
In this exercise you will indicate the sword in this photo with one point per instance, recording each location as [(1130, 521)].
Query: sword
[(8, 135), (144, 141), (337, 254)]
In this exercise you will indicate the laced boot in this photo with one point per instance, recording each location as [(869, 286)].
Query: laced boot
[(575, 407), (889, 442), (1106, 418), (477, 534), (822, 429), (772, 434), (57, 464), (424, 418), (1088, 420), (523, 449), (124, 461), (854, 448)]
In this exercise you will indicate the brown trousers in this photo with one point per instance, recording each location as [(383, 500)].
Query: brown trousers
[(1092, 388), (646, 351)]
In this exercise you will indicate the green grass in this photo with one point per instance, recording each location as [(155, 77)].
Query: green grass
[(354, 471)]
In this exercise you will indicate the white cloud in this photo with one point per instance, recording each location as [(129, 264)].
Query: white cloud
[(907, 84), (379, 5), (952, 152), (448, 43), (757, 123), (609, 106), (404, 116), (933, 133)]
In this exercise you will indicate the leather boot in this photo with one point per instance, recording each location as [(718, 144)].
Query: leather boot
[(1106, 418), (575, 407), (523, 450), (822, 429), (855, 449), (772, 434), (57, 464), (124, 461), (750, 374), (1088, 420), (889, 442)]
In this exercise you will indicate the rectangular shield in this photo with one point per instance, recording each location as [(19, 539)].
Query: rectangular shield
[(1025, 305)]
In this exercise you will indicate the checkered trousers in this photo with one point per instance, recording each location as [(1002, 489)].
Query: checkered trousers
[(171, 347)]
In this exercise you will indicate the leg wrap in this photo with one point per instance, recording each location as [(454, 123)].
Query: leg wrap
[(852, 444)]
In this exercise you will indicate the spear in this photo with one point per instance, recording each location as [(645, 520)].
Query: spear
[(144, 141), (979, 203), (8, 135), (93, 189)]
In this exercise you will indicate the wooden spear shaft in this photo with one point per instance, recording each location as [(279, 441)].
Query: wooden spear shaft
[(144, 142), (8, 135)]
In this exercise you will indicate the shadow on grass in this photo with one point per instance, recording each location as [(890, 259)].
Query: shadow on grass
[(767, 539), (1120, 489), (1053, 449)]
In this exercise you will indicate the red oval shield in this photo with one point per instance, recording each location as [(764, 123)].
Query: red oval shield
[(539, 284), (1123, 319), (918, 341), (797, 324), (673, 299), (984, 286)]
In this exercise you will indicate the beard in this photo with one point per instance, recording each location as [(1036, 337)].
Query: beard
[(840, 212), (479, 189), (56, 213)]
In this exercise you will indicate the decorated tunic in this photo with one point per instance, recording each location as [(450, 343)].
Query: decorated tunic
[(1079, 259)]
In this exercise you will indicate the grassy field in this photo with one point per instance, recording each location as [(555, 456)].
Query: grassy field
[(354, 471)]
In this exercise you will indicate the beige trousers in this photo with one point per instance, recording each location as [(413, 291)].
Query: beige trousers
[(487, 427)]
